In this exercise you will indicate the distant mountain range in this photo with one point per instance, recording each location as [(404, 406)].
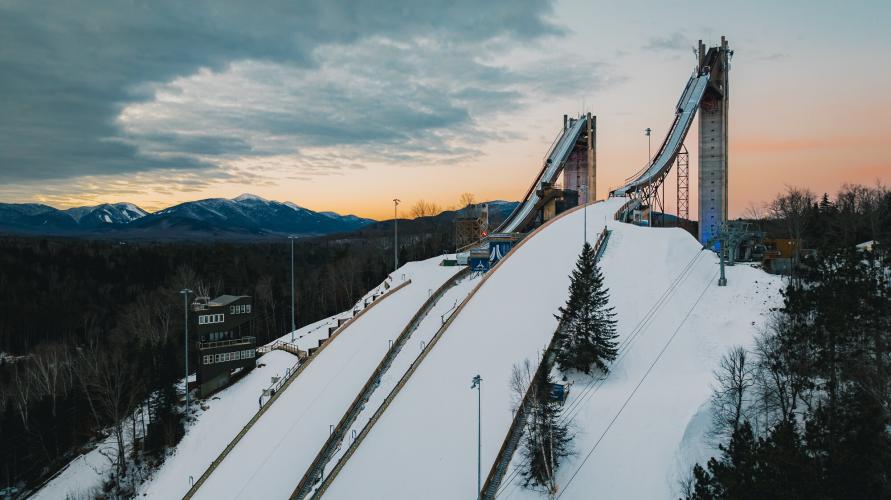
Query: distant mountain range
[(245, 217)]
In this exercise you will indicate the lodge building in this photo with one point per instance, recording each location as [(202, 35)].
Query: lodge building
[(220, 340)]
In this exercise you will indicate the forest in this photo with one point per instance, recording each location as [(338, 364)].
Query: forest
[(806, 412), (91, 331)]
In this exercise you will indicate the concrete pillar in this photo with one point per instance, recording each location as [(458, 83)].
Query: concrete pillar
[(592, 158), (713, 146)]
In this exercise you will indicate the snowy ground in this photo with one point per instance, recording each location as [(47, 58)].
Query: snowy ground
[(424, 446), (212, 429), (425, 331), (271, 459), (216, 422), (655, 440)]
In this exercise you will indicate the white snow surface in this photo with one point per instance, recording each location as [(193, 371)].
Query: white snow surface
[(425, 444), (426, 329), (271, 459), (227, 411)]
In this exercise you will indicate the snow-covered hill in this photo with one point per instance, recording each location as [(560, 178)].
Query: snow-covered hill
[(671, 317)]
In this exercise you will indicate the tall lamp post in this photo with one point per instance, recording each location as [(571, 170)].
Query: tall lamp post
[(185, 293), (478, 385), (293, 297), (584, 190), (647, 132), (395, 237)]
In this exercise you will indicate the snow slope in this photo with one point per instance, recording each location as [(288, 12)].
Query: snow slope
[(425, 444), (270, 460), (226, 413), (661, 433), (421, 337)]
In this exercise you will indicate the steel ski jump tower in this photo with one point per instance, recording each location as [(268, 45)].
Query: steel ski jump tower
[(713, 113)]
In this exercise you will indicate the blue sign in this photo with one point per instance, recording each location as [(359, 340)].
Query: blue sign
[(498, 249), (479, 264)]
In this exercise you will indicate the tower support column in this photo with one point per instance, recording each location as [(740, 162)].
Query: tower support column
[(713, 143)]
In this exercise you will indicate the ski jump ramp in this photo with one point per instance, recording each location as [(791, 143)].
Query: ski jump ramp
[(555, 160), (659, 166)]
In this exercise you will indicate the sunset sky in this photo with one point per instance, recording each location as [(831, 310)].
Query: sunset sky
[(338, 105)]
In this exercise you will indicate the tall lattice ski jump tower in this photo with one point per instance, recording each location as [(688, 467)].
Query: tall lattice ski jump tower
[(713, 115)]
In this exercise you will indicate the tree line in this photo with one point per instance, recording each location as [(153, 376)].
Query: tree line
[(93, 332), (807, 412)]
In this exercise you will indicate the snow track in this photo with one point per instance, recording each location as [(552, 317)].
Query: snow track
[(630, 426), (424, 444), (271, 458)]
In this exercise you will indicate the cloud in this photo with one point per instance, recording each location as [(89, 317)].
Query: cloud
[(75, 77), (672, 42)]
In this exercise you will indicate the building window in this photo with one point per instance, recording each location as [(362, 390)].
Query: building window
[(247, 308), (218, 358), (231, 309), (207, 360), (237, 355)]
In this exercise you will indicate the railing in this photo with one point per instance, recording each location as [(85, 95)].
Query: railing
[(335, 439), (283, 346), (624, 208), (224, 343), (515, 433), (293, 375)]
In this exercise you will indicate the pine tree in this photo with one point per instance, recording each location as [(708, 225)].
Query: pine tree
[(546, 440), (587, 334)]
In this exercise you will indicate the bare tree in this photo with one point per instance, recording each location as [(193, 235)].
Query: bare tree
[(423, 208), (757, 214), (22, 392), (730, 400), (113, 385), (466, 199), (49, 372), (792, 209)]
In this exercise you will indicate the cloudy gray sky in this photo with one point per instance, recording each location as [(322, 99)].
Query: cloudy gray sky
[(339, 105)]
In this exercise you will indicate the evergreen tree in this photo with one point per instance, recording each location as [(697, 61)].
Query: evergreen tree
[(546, 440), (587, 334)]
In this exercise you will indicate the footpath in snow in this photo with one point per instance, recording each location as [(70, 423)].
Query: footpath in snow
[(270, 460)]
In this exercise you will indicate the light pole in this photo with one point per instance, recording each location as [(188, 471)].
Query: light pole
[(647, 132), (478, 385), (584, 190), (293, 298), (395, 238), (185, 293)]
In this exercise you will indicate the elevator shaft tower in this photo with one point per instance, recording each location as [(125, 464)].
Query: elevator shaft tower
[(713, 144)]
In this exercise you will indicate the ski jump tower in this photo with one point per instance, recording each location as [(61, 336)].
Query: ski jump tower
[(713, 113), (708, 92)]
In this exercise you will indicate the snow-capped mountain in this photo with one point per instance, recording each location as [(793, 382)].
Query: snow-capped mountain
[(253, 214), (106, 213), (246, 216)]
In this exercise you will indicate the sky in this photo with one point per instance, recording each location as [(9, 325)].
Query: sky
[(343, 105)]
